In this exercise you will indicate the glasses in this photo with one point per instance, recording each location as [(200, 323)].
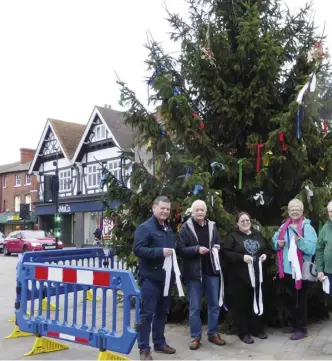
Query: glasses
[(245, 221)]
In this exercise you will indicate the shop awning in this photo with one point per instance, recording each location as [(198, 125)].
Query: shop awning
[(14, 218)]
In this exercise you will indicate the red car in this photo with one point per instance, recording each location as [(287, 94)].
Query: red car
[(23, 241)]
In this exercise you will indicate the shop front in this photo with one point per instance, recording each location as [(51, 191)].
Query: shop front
[(78, 220), (10, 222)]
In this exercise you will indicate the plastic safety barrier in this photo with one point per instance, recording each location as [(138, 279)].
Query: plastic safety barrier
[(96, 326)]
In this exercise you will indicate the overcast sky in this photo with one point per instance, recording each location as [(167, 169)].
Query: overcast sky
[(58, 59)]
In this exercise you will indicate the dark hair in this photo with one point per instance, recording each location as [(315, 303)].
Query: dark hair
[(161, 199), (240, 214)]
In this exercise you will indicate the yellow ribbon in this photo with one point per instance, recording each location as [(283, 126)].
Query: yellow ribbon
[(266, 159)]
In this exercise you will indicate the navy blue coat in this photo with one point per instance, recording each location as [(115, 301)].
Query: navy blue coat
[(150, 240)]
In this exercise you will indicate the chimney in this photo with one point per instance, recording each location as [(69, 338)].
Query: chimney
[(107, 106), (27, 155)]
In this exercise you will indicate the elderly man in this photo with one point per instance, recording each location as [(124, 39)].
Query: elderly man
[(154, 240), (199, 244)]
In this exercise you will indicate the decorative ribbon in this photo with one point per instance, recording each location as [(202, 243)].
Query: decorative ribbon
[(188, 173), (215, 255), (258, 306), (161, 128), (240, 163), (215, 166), (260, 197), (197, 189), (121, 101), (104, 175), (176, 91), (258, 160), (157, 72), (149, 143), (167, 156), (266, 158), (310, 193), (325, 126), (170, 263), (281, 136)]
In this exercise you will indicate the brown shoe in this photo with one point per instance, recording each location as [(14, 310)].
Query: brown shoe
[(217, 340), (194, 344), (167, 350), (145, 355)]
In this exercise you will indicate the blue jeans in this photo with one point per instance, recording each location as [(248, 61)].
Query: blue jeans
[(154, 309), (209, 286)]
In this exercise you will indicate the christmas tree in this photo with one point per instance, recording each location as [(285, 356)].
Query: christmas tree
[(241, 119)]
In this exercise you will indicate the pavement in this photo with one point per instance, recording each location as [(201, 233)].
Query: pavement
[(318, 346)]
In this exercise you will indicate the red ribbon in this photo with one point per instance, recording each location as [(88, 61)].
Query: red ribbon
[(258, 161), (325, 126), (195, 115), (202, 125), (281, 136)]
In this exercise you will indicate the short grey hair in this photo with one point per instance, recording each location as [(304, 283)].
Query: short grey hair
[(296, 203), (196, 203), (329, 205), (161, 199)]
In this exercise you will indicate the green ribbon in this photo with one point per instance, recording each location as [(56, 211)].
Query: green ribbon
[(121, 99), (240, 162)]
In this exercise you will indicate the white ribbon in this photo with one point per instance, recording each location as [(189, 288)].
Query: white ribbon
[(215, 255), (326, 285), (260, 197), (301, 93), (169, 263), (258, 308), (310, 193), (313, 82), (294, 260)]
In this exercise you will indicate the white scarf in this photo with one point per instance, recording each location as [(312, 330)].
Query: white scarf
[(294, 260), (258, 308), (169, 263), (215, 255)]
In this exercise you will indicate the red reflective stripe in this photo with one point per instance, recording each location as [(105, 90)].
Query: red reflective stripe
[(82, 340), (53, 334), (41, 273), (101, 278), (69, 275)]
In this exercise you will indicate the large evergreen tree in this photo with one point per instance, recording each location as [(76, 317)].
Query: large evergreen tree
[(227, 125)]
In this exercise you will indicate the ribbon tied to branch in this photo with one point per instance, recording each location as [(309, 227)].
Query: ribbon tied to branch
[(259, 196)]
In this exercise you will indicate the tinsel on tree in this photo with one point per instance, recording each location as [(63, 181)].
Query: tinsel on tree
[(241, 119)]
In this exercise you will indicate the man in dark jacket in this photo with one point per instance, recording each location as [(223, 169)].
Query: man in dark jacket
[(154, 240), (199, 244)]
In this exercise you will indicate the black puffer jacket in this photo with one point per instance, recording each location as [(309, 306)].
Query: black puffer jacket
[(188, 249)]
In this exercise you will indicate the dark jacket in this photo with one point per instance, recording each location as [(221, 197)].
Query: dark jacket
[(150, 240), (188, 249), (236, 245)]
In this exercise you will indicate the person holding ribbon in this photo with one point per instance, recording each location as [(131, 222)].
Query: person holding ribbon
[(245, 251), (154, 245), (295, 243), (198, 245)]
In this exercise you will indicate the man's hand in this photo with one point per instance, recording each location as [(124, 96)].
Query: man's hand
[(247, 259), (203, 250), (321, 276), (168, 252), (281, 243), (263, 257)]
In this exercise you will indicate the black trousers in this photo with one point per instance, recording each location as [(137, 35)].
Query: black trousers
[(297, 302), (245, 320)]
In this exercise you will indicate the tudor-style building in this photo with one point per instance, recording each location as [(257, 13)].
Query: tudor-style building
[(80, 151)]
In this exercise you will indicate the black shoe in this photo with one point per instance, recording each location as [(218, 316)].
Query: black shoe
[(261, 335), (246, 339)]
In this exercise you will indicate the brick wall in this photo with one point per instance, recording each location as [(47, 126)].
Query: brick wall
[(10, 190)]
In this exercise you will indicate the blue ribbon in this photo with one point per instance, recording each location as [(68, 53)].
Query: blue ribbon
[(176, 91), (104, 175), (157, 72), (188, 173), (162, 130), (215, 166), (197, 189)]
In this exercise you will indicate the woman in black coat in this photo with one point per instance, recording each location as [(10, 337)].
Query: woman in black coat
[(245, 253)]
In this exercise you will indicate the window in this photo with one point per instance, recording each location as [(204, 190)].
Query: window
[(64, 180), (4, 181), (100, 132), (28, 200), (114, 168), (27, 179), (17, 180), (94, 174), (17, 203)]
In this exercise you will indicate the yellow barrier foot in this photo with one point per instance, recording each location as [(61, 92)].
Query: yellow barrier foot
[(89, 296), (18, 333), (108, 355), (44, 306), (45, 345), (13, 319)]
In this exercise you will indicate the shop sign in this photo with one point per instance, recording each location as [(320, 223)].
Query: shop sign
[(64, 209)]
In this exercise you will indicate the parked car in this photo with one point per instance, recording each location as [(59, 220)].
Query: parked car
[(2, 241), (23, 241)]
